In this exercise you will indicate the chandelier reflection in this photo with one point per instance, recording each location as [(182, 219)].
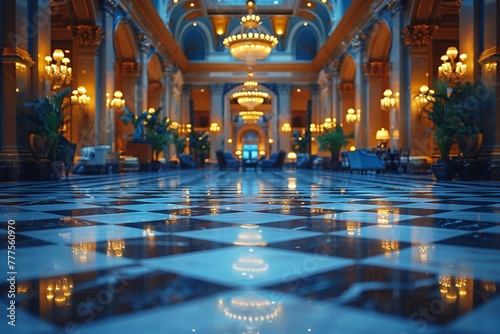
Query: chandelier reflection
[(115, 248), (250, 236), (58, 74), (250, 44), (58, 289), (252, 309)]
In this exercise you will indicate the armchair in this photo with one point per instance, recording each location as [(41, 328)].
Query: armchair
[(225, 160), (93, 159), (276, 161)]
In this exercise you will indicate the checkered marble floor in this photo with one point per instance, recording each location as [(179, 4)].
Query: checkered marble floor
[(270, 252)]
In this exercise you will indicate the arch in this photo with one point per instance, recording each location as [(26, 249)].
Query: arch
[(305, 44), (155, 69), (125, 42), (379, 45), (347, 68), (194, 43), (296, 29)]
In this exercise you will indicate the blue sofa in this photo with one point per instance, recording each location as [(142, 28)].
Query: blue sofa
[(362, 161)]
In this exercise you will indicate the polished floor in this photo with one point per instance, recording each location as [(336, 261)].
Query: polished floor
[(273, 252)]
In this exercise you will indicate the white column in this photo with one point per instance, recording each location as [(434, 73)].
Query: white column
[(358, 44), (142, 79), (217, 116), (283, 138)]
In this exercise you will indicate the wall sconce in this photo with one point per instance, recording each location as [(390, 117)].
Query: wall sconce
[(117, 102), (353, 115), (383, 136), (388, 102), (424, 97), (286, 127), (450, 71), (79, 96), (214, 127), (58, 74)]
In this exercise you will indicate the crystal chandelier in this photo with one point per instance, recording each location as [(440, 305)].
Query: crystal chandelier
[(250, 44), (250, 98), (450, 71), (251, 115), (58, 74)]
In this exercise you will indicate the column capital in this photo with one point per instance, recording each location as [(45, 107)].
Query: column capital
[(346, 88), (333, 68), (418, 35), (216, 88), (284, 88), (143, 41), (85, 35), (358, 41), (108, 6), (129, 69), (395, 6), (376, 69), (169, 69)]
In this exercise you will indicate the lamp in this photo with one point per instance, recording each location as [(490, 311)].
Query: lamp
[(425, 96), (79, 96), (329, 124), (58, 74), (382, 135), (286, 127), (388, 102), (250, 44), (117, 102), (214, 127), (451, 71), (352, 115), (251, 115)]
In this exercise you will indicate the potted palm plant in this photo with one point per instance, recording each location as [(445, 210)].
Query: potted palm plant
[(46, 117), (446, 121), (333, 141)]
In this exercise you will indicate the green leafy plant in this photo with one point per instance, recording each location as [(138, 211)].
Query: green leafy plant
[(46, 117), (454, 113), (333, 141)]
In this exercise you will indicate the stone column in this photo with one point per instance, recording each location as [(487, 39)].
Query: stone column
[(376, 73), (107, 54), (283, 142), (346, 96), (489, 60), (167, 91), (336, 111), (142, 80), (217, 116), (360, 101), (185, 98), (316, 114), (89, 68), (414, 135), (398, 76), (16, 64)]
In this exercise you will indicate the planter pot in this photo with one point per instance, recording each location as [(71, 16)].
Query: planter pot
[(470, 145), (39, 146), (444, 170)]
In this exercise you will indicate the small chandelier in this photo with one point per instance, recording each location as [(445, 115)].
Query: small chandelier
[(250, 44), (286, 127), (250, 97), (450, 71), (117, 102), (352, 115), (387, 102), (79, 96), (251, 115), (58, 74), (425, 97)]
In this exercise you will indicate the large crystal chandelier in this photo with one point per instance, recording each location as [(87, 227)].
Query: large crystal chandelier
[(250, 44), (58, 74)]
